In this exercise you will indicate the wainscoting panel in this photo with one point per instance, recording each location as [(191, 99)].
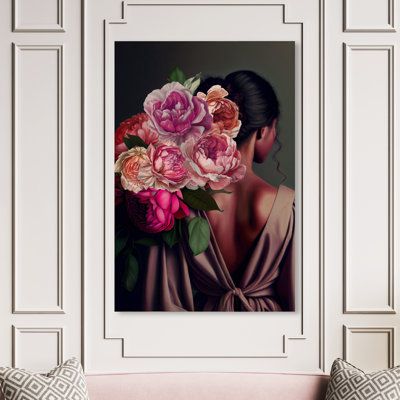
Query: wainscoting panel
[(362, 194), (38, 129), (131, 341), (37, 349), (368, 213), (40, 180), (369, 348), (368, 16), (38, 15)]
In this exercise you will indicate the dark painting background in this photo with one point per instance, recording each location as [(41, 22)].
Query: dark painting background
[(141, 67)]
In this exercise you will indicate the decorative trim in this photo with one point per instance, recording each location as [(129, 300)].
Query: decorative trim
[(58, 309), (390, 309), (322, 360), (321, 227), (58, 26), (60, 341), (389, 28), (376, 329), (83, 181)]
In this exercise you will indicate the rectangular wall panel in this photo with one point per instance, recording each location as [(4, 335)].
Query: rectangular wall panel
[(369, 348), (368, 16), (37, 179), (368, 174), (37, 349), (38, 16)]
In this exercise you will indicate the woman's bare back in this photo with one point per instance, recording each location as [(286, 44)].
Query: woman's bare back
[(245, 212)]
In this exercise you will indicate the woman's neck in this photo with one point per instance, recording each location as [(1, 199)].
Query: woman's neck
[(247, 156)]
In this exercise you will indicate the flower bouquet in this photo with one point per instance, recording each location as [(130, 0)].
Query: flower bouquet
[(170, 160)]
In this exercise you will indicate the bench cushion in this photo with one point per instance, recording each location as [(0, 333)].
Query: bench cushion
[(209, 386)]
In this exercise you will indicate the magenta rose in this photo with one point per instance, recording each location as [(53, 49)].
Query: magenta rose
[(213, 160), (155, 210), (176, 114), (168, 167)]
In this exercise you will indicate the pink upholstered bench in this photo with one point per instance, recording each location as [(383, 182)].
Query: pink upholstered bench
[(207, 386)]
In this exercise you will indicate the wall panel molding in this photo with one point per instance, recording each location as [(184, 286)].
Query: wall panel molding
[(38, 341), (365, 8), (126, 352), (368, 134), (32, 191), (111, 344), (41, 175), (386, 333), (36, 22)]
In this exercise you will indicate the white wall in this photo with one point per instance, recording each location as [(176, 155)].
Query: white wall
[(56, 268)]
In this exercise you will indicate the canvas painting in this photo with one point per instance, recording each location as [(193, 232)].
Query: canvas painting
[(205, 176)]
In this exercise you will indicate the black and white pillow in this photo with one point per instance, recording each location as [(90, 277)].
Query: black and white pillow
[(65, 382), (350, 383)]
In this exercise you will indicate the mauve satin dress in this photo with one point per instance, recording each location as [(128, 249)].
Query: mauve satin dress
[(172, 277)]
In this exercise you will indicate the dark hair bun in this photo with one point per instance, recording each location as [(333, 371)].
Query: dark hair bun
[(255, 97)]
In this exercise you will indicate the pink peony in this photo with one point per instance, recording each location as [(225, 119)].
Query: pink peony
[(135, 168), (168, 167), (214, 160), (137, 125), (176, 114), (155, 210)]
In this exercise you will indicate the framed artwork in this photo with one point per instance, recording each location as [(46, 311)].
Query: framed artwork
[(204, 168)]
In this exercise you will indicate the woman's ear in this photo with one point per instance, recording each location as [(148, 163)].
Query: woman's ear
[(260, 133), (272, 130), (265, 139)]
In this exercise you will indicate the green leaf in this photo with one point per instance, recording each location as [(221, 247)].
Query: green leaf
[(147, 241), (177, 75), (120, 243), (131, 272), (171, 237), (199, 199), (121, 239), (193, 83), (134, 141), (199, 235)]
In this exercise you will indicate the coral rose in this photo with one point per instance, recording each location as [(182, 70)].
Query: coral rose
[(137, 125), (135, 168), (224, 111), (155, 210), (213, 160), (168, 167), (176, 114)]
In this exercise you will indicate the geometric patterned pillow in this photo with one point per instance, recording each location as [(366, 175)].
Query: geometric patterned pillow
[(65, 382), (350, 383)]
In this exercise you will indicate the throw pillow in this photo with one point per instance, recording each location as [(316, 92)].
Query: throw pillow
[(350, 383), (65, 382)]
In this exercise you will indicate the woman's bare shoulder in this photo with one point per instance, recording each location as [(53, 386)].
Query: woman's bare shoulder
[(263, 189), (264, 195)]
